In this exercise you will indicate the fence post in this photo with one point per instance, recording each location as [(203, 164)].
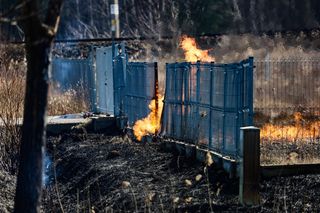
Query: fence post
[(92, 79), (249, 165), (156, 90), (225, 86), (197, 122), (211, 105), (250, 89)]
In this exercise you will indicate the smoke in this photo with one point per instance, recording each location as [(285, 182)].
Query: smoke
[(286, 65), (47, 170), (231, 48)]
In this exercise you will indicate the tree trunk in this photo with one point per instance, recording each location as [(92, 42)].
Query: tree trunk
[(33, 130), (39, 36)]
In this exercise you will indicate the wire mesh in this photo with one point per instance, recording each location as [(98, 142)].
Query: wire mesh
[(287, 86)]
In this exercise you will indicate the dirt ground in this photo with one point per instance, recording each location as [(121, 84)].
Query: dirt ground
[(97, 173)]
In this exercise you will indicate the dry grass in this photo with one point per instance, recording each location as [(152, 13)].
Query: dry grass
[(289, 138), (68, 102), (12, 77), (12, 91)]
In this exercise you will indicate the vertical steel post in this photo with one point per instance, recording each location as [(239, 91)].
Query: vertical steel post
[(174, 115), (225, 83), (250, 89), (186, 116), (249, 166), (197, 123), (164, 119), (211, 105), (240, 105), (92, 80), (156, 90), (114, 10)]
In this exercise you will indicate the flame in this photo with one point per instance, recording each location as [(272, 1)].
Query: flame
[(151, 123), (191, 51), (300, 130)]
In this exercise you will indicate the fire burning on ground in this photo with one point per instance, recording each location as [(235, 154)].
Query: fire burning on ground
[(150, 124), (301, 130), (191, 51)]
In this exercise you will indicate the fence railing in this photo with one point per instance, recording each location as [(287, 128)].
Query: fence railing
[(207, 103), (287, 85), (140, 89)]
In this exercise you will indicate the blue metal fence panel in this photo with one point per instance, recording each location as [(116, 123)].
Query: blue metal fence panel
[(73, 74), (119, 63), (70, 73), (139, 90), (207, 103), (104, 80)]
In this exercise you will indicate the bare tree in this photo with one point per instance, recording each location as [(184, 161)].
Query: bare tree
[(39, 28)]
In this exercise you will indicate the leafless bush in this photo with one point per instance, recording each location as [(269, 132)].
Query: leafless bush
[(12, 78), (12, 90), (68, 102)]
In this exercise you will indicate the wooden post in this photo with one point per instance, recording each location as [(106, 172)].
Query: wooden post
[(249, 165)]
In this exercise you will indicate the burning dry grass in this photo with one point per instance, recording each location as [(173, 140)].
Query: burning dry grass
[(150, 124), (191, 51), (291, 140), (299, 130)]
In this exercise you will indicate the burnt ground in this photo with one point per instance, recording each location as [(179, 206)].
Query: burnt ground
[(113, 174), (97, 173), (7, 187)]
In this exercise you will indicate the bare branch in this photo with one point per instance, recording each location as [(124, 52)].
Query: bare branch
[(14, 8)]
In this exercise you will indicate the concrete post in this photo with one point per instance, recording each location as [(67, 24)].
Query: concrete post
[(249, 165)]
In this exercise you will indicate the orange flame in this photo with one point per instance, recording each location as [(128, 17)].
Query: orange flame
[(300, 130), (191, 51), (151, 123)]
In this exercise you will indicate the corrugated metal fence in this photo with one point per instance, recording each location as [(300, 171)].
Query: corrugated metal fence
[(287, 85), (207, 103)]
